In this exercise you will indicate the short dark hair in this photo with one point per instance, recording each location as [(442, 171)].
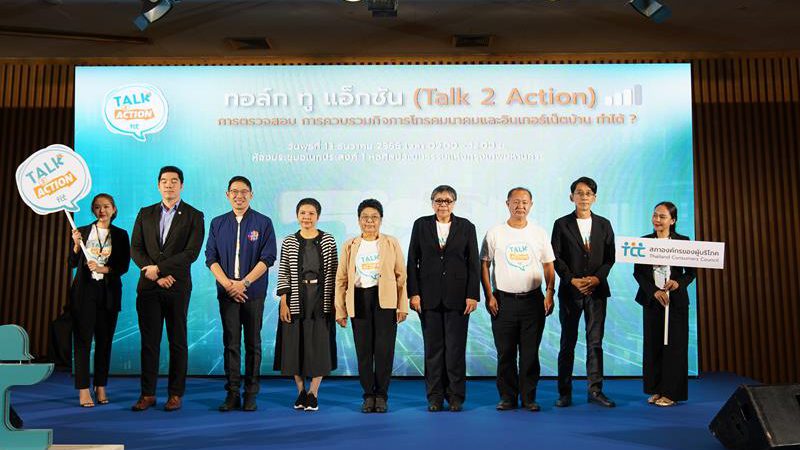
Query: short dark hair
[(308, 201), (519, 188), (444, 189), (673, 211), (240, 179), (370, 203), (585, 180), (167, 169), (110, 199)]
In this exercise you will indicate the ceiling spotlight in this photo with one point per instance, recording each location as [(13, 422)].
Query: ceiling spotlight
[(651, 9), (152, 10), (382, 8)]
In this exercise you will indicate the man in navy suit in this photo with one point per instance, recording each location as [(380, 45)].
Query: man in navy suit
[(583, 243), (166, 240)]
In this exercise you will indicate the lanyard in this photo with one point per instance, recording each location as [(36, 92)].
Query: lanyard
[(105, 241)]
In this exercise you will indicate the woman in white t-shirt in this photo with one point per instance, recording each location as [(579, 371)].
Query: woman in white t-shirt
[(371, 290), (96, 295)]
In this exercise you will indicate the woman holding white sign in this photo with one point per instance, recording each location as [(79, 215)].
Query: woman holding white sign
[(95, 295), (662, 293)]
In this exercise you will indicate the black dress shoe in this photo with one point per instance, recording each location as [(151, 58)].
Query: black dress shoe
[(564, 401), (232, 401), (532, 406), (456, 406), (601, 399), (380, 405), (369, 405), (249, 403), (435, 405), (506, 405)]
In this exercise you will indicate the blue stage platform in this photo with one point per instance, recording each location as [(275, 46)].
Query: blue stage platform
[(339, 424)]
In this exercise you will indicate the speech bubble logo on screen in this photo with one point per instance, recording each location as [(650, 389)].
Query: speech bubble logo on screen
[(53, 179), (519, 255), (135, 110)]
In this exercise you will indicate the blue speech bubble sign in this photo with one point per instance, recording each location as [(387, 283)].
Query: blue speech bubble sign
[(135, 110), (53, 179)]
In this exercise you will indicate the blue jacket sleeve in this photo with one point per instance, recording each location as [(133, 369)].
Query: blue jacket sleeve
[(270, 251), (212, 252)]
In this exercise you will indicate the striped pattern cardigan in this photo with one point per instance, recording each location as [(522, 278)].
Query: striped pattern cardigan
[(290, 266)]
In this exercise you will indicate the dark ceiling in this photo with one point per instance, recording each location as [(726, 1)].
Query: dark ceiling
[(194, 28)]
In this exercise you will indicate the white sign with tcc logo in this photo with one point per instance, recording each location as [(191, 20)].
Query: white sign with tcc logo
[(670, 252)]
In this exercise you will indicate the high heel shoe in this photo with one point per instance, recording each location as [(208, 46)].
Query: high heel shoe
[(100, 401), (86, 404)]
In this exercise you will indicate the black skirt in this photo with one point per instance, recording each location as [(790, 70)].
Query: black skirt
[(307, 346)]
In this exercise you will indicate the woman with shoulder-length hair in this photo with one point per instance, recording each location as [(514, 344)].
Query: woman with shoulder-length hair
[(305, 345), (96, 295), (665, 367), (444, 287), (371, 290)]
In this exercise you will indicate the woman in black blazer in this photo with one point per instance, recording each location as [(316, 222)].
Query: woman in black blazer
[(665, 367), (444, 288), (96, 294)]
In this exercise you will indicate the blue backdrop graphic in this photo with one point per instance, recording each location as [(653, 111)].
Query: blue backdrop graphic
[(345, 133)]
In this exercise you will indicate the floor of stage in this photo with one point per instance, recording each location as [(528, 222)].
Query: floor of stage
[(339, 424)]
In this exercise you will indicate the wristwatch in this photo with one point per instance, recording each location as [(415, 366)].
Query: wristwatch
[(246, 283)]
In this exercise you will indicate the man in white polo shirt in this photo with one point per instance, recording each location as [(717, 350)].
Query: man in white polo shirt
[(520, 256)]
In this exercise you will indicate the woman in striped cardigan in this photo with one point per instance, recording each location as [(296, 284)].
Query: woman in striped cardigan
[(305, 344)]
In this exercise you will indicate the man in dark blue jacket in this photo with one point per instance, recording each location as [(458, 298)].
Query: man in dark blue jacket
[(240, 250)]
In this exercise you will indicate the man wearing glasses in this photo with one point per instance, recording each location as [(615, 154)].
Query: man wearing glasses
[(583, 243), (240, 249), (522, 261)]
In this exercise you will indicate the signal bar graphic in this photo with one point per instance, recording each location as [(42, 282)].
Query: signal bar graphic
[(627, 97)]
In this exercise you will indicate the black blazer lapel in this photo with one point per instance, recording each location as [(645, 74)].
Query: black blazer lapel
[(455, 227), (153, 235), (177, 222), (572, 226), (433, 235), (597, 235)]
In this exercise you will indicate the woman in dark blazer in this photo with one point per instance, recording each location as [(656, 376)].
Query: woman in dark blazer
[(665, 367), (96, 295), (444, 288)]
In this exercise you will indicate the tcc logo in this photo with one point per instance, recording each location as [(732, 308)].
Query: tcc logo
[(633, 250)]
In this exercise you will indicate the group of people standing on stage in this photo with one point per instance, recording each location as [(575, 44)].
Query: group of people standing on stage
[(371, 285)]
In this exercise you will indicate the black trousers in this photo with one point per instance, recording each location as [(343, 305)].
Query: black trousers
[(444, 333), (92, 320), (594, 316), (518, 326), (665, 368), (154, 310), (374, 333), (238, 317)]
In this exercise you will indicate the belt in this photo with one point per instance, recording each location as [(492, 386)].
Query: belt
[(314, 281), (528, 294)]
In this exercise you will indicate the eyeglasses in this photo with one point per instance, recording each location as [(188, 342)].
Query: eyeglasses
[(234, 192), (370, 218), (444, 201), (583, 194), (519, 202)]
